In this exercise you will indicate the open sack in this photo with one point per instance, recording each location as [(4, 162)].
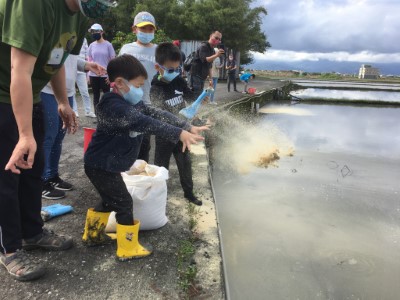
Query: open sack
[(148, 188)]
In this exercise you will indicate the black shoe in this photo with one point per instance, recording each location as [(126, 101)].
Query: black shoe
[(192, 199), (60, 184), (48, 240), (49, 192)]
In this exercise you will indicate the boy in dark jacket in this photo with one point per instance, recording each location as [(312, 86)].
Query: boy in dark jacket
[(122, 120), (169, 91)]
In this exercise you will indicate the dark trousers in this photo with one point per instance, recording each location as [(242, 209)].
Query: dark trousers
[(20, 194), (145, 146), (114, 194), (231, 78), (98, 84), (163, 152), (197, 84)]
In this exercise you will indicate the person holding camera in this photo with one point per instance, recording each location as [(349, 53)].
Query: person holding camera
[(205, 55)]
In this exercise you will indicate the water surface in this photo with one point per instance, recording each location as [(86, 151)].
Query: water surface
[(323, 224)]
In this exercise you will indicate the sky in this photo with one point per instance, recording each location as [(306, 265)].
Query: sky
[(334, 30)]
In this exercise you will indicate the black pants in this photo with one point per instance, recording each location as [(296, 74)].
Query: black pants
[(145, 146), (163, 152), (98, 84), (197, 84), (20, 195), (231, 78), (114, 194)]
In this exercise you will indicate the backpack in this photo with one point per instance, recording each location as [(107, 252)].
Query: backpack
[(187, 64)]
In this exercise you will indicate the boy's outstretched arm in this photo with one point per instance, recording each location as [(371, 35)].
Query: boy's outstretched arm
[(188, 139)]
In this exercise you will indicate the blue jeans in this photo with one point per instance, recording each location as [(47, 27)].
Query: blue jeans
[(54, 135), (215, 81)]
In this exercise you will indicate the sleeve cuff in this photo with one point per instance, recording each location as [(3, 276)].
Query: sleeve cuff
[(81, 65)]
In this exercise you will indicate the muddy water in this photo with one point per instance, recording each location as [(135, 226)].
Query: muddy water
[(323, 223)]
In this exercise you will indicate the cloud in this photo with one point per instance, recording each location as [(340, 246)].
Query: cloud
[(362, 27), (341, 56)]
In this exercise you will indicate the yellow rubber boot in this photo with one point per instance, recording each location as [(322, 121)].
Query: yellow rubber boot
[(128, 242), (95, 225)]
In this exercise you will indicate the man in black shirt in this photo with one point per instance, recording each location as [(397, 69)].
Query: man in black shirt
[(201, 67), (231, 68)]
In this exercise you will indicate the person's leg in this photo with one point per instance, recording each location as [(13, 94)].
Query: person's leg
[(81, 82), (105, 87), (75, 106), (184, 164), (31, 183), (215, 81), (163, 152), (245, 86), (114, 194), (20, 198), (95, 83), (229, 82), (10, 217), (54, 159), (234, 82), (198, 84), (145, 147)]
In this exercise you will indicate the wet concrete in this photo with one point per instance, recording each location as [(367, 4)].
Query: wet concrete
[(324, 223)]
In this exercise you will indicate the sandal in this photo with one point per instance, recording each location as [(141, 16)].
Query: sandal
[(21, 267), (48, 240)]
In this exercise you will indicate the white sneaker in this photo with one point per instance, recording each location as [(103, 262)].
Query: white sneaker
[(90, 115), (76, 114)]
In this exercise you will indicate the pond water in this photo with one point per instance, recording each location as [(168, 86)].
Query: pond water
[(343, 84), (347, 94), (323, 223)]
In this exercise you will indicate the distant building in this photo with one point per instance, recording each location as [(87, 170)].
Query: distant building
[(368, 72)]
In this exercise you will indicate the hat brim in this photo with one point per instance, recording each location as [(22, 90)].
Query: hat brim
[(142, 24)]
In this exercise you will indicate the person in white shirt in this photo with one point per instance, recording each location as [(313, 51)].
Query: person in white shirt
[(81, 82), (144, 26)]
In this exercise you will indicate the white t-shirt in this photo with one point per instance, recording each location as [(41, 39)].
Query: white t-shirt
[(147, 56), (70, 75)]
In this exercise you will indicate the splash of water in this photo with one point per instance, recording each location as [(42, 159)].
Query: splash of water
[(245, 146)]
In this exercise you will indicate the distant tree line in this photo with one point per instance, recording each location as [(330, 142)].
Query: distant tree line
[(239, 22)]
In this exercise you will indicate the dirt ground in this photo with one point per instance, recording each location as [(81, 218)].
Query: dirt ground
[(94, 273)]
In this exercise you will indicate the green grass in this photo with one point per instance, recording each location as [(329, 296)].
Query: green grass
[(187, 269)]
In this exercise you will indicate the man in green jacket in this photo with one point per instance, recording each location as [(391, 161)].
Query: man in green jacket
[(36, 38)]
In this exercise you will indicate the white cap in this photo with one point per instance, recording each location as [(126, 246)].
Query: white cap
[(95, 26)]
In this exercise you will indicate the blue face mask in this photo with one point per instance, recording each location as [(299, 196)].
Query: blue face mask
[(145, 38), (134, 95), (170, 76), (95, 8)]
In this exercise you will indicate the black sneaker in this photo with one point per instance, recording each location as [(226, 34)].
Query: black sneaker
[(193, 199), (60, 184), (49, 192)]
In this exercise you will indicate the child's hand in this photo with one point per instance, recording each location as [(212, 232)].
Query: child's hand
[(188, 139), (199, 129)]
